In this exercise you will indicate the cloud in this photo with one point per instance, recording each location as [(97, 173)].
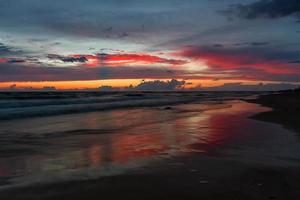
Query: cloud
[(252, 43), (210, 35), (11, 60), (107, 88), (262, 62), (259, 43), (174, 84), (66, 59), (159, 85), (268, 59), (23, 72), (295, 62), (116, 59), (9, 53), (264, 9), (49, 88), (3, 60), (13, 86), (4, 49), (156, 85), (218, 45), (255, 63), (16, 60), (96, 60)]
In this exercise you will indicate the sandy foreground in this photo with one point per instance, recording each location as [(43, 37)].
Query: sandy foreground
[(194, 177)]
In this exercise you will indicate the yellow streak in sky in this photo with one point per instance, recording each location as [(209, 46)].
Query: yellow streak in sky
[(118, 83)]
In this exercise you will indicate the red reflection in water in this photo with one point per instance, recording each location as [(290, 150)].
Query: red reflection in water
[(200, 132), (95, 155), (127, 147), (3, 171), (228, 125), (148, 133)]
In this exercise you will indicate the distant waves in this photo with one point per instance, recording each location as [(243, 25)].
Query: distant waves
[(17, 105), (25, 105)]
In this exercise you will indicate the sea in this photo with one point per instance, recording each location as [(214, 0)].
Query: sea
[(48, 137)]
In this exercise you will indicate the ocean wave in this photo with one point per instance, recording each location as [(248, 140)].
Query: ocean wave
[(39, 108), (29, 104)]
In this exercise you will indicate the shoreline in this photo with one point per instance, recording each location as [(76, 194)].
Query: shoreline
[(286, 109)]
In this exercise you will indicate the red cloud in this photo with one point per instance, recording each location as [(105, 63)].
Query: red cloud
[(235, 60), (3, 60), (126, 59)]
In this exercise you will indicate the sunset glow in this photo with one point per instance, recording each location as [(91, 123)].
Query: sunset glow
[(161, 42)]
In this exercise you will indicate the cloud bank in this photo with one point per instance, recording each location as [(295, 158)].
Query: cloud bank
[(265, 9)]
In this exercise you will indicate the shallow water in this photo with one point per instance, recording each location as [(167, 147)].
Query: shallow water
[(93, 144)]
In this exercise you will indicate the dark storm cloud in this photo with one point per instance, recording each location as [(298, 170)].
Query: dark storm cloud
[(265, 8), (72, 60), (81, 59)]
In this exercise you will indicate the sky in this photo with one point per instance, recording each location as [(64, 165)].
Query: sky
[(77, 44)]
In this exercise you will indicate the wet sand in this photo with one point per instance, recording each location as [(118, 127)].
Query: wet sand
[(286, 108), (195, 177), (244, 159)]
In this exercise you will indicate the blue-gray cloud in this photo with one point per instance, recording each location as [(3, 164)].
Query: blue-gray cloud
[(23, 72), (4, 49), (265, 8)]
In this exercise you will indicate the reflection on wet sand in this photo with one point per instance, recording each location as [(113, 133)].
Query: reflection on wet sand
[(136, 137)]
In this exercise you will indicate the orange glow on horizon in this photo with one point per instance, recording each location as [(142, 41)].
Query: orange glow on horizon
[(116, 83)]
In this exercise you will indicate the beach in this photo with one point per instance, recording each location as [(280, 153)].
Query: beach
[(187, 146), (149, 100), (285, 107)]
